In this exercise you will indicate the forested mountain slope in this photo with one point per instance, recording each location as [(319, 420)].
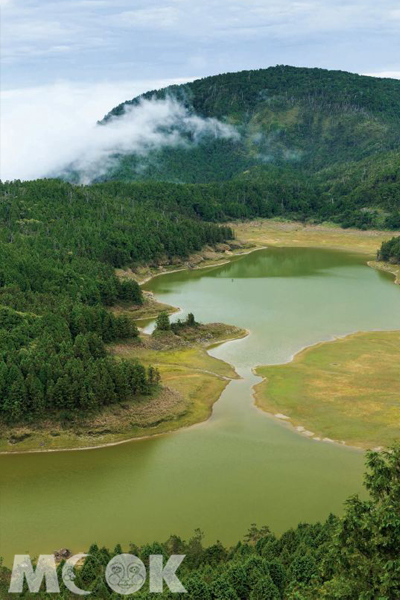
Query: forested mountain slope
[(59, 246), (336, 131)]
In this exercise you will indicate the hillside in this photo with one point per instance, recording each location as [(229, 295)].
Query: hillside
[(59, 247), (334, 134), (308, 117)]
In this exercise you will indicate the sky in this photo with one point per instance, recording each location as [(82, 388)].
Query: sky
[(65, 63)]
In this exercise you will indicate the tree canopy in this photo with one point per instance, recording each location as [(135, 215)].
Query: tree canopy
[(59, 247)]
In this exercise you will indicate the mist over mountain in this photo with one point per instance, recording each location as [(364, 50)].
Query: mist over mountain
[(332, 134), (309, 118)]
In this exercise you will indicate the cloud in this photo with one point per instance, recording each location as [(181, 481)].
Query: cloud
[(39, 25), (44, 130), (389, 74), (44, 127), (150, 125), (157, 17), (92, 40)]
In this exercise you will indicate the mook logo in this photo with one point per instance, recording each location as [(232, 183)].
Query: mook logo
[(125, 574)]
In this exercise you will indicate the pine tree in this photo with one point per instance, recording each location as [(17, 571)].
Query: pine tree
[(190, 320), (162, 322)]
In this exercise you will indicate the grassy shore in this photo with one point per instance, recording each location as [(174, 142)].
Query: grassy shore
[(270, 232), (191, 382), (346, 390), (343, 390)]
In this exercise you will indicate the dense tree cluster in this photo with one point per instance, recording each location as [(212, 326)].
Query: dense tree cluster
[(59, 247), (242, 91), (390, 251), (364, 195), (163, 323), (354, 557), (348, 197), (180, 324)]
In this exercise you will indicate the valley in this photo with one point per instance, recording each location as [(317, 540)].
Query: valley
[(294, 298), (201, 333)]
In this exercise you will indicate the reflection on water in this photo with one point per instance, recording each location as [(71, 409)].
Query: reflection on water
[(239, 467)]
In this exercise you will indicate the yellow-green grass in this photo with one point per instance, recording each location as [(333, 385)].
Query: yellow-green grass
[(197, 377), (186, 358), (270, 232), (346, 390)]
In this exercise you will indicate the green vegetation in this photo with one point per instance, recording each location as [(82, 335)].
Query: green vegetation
[(162, 322), (146, 311), (390, 251), (59, 247), (192, 381), (310, 144), (343, 390), (354, 557), (237, 93), (61, 301), (179, 327)]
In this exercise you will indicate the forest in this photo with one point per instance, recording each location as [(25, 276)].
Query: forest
[(309, 144), (352, 557), (243, 91), (278, 192), (59, 247), (312, 146)]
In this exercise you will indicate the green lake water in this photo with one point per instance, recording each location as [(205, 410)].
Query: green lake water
[(239, 467)]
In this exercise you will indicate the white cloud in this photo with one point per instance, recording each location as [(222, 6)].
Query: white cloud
[(42, 128), (94, 39), (46, 129), (150, 125), (158, 17), (390, 74), (77, 23)]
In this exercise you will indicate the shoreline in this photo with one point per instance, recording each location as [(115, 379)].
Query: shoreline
[(212, 344), (206, 266), (386, 268), (286, 420), (283, 420), (176, 310)]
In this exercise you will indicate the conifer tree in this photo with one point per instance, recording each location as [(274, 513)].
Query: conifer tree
[(163, 322)]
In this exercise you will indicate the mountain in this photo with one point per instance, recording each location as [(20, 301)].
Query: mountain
[(285, 115), (331, 134)]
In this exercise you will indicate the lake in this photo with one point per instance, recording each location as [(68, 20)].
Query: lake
[(239, 467)]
